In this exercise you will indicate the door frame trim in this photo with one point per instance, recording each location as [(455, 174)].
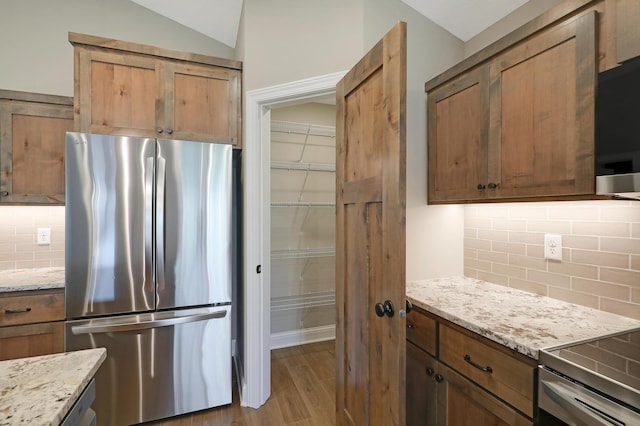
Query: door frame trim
[(255, 386)]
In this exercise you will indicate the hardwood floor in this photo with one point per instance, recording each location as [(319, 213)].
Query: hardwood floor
[(302, 393)]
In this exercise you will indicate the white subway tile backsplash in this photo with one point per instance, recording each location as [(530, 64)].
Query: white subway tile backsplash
[(601, 250), (18, 226)]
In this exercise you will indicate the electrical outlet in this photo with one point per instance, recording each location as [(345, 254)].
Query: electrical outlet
[(553, 246), (43, 237)]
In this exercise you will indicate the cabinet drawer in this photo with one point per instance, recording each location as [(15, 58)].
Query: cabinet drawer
[(421, 330), (31, 307), (499, 372)]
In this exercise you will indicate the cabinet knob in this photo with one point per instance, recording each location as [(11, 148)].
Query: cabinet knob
[(169, 131), (430, 371), (493, 185), (4, 193), (159, 130), (481, 186), (439, 378), (409, 306)]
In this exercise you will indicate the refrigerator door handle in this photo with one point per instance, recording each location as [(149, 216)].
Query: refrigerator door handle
[(148, 224), (160, 195), (145, 325)]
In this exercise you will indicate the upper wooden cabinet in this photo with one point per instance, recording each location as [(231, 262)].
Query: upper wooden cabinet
[(130, 89), (32, 146), (519, 124), (628, 30)]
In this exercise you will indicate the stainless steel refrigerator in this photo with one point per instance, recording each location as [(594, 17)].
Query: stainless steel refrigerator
[(149, 271)]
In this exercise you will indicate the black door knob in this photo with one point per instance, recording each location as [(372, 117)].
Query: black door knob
[(439, 378), (481, 186), (385, 308)]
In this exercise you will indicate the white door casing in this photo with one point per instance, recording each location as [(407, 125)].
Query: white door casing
[(256, 383)]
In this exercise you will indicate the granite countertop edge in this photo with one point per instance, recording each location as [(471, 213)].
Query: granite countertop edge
[(15, 280), (521, 321), (43, 389)]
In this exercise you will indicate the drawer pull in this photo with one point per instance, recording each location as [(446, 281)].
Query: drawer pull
[(17, 311), (439, 378), (486, 369), (430, 371)]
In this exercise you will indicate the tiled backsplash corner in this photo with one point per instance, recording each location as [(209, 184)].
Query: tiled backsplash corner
[(504, 244), (18, 227)]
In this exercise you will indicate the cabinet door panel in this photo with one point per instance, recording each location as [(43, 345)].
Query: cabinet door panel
[(421, 387), (462, 403), (628, 30), (542, 129), (31, 340), (32, 151), (200, 103), (457, 138), (121, 96)]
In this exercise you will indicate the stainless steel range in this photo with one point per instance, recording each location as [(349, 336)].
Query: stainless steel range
[(595, 382)]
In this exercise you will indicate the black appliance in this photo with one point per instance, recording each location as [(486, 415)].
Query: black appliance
[(617, 160)]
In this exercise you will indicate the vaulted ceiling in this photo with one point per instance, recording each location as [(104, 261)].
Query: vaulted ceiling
[(219, 19)]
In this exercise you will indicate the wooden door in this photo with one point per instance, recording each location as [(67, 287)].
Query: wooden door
[(115, 93), (370, 236), (422, 387), (627, 30), (541, 138), (200, 102), (458, 126), (22, 341)]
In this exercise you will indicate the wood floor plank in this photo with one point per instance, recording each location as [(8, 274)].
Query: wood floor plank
[(302, 393)]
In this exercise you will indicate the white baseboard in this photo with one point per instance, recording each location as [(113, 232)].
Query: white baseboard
[(303, 336)]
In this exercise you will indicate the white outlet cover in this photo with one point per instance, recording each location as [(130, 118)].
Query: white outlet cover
[(553, 246), (43, 236)]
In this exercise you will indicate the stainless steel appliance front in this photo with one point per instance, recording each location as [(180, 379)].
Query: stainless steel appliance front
[(159, 364), (148, 272), (592, 382)]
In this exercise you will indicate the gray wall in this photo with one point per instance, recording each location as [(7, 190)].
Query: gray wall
[(515, 19), (36, 54)]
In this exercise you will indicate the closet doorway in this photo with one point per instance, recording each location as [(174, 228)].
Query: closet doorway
[(303, 222), (253, 349)]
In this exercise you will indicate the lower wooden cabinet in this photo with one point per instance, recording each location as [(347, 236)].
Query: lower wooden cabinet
[(31, 323), (439, 392), (22, 341)]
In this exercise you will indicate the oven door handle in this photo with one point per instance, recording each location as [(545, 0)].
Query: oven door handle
[(576, 408)]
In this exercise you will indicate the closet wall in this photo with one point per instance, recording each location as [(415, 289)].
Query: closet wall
[(302, 224)]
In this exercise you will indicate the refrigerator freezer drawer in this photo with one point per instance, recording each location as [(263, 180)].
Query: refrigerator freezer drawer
[(170, 363)]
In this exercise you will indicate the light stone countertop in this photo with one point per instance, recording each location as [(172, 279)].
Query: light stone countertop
[(522, 321), (31, 279), (41, 390)]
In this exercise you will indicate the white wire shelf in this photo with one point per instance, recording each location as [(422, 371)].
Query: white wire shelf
[(303, 253), (303, 301), (310, 167)]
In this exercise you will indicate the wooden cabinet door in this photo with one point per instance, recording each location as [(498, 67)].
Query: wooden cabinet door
[(627, 29), (32, 149), (458, 125), (370, 236), (541, 138), (422, 387), (115, 93), (462, 403), (22, 341), (199, 103)]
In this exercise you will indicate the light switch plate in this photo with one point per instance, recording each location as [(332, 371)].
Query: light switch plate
[(553, 246)]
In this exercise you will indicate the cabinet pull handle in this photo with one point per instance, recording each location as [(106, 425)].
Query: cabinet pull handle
[(4, 193), (170, 131), (481, 186), (159, 130), (493, 185), (439, 378), (486, 369), (17, 311), (430, 371)]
